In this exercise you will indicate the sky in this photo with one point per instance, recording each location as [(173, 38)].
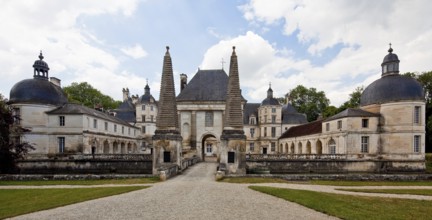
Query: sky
[(333, 46)]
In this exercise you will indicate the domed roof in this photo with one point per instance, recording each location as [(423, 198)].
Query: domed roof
[(270, 100), (392, 88), (147, 97), (391, 57), (38, 90)]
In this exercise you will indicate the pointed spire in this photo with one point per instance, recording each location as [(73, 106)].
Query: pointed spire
[(270, 91), (147, 89), (233, 112), (167, 115)]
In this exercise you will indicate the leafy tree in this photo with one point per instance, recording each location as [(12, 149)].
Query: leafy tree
[(330, 111), (308, 101), (11, 149), (354, 101), (84, 93)]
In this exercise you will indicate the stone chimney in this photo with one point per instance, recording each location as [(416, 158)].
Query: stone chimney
[(135, 98), (125, 94), (183, 81), (55, 81)]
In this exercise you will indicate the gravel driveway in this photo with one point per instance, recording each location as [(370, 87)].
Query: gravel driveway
[(192, 195)]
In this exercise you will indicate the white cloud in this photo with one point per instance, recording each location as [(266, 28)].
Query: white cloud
[(135, 52)]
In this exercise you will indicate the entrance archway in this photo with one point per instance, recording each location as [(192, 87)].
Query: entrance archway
[(208, 146)]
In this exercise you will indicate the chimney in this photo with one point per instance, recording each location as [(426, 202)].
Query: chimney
[(125, 94), (55, 81), (183, 81), (135, 99)]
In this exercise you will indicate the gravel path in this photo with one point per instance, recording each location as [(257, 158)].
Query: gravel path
[(192, 195)]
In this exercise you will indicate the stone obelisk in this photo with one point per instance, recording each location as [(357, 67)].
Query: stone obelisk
[(233, 140), (167, 139)]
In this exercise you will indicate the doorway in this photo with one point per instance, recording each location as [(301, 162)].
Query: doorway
[(208, 147)]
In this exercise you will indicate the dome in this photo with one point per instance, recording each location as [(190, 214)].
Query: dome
[(270, 100), (392, 88), (37, 91), (147, 97)]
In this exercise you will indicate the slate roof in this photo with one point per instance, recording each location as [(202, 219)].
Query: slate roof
[(249, 109), (352, 112), (206, 85), (270, 101), (314, 127), (77, 109), (126, 111), (37, 91), (291, 116)]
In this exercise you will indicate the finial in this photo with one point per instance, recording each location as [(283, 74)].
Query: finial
[(233, 48), (270, 84), (222, 62), (147, 80), (40, 55), (167, 47), (390, 50)]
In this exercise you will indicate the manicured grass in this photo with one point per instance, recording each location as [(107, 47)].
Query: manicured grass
[(252, 180), (370, 183), (354, 207), (424, 192), (429, 163), (15, 202), (80, 182)]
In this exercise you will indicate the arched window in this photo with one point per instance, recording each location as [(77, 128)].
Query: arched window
[(318, 147), (332, 146), (300, 148), (308, 147)]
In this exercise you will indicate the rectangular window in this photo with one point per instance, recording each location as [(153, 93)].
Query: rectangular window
[(273, 110), (231, 157), (273, 131), (265, 118), (417, 115), (209, 148), (151, 108), (209, 119), (365, 144), (265, 132), (129, 131), (61, 144), (122, 130), (94, 123), (115, 128), (251, 147), (167, 156), (16, 116), (252, 121), (273, 119), (143, 129), (151, 118), (417, 144), (62, 120), (143, 118), (273, 146), (252, 132), (143, 107), (365, 123), (339, 124), (106, 126), (327, 126)]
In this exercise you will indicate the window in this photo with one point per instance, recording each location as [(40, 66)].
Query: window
[(339, 124), (231, 157), (122, 129), (417, 115), (106, 126), (151, 108), (252, 120), (61, 144), (209, 119), (417, 144), (16, 116), (115, 128), (273, 146), (273, 131), (251, 147), (129, 131), (143, 118), (273, 119), (167, 156), (252, 132), (151, 118), (332, 147), (265, 118), (143, 129), (327, 126), (209, 148), (143, 107), (94, 123), (273, 110), (364, 144), (62, 120), (265, 132), (365, 123)]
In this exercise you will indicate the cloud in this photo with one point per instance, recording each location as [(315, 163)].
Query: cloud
[(69, 48), (135, 52)]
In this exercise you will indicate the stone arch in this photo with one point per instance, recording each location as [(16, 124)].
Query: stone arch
[(332, 146), (308, 147), (300, 148), (280, 148), (292, 148), (208, 145), (106, 147), (115, 147), (122, 148), (319, 147), (129, 148), (286, 148), (135, 148)]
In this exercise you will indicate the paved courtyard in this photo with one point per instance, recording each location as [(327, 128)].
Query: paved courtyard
[(192, 195)]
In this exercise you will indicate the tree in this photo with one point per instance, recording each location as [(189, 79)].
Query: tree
[(84, 93), (308, 101), (354, 101), (11, 148)]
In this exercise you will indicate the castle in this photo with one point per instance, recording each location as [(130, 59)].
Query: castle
[(210, 118)]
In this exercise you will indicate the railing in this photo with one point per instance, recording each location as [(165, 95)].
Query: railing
[(146, 157), (295, 156), (187, 162)]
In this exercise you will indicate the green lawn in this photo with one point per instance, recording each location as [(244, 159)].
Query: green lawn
[(80, 182), (15, 202), (252, 180), (370, 183), (424, 192), (354, 207)]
